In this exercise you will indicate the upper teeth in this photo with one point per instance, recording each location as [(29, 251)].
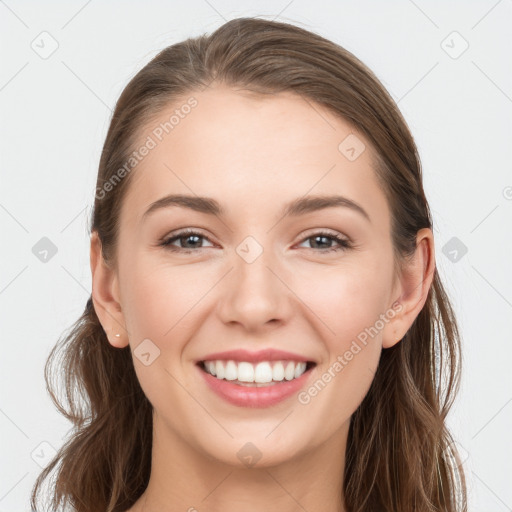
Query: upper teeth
[(262, 372)]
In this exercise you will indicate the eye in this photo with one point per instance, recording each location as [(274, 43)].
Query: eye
[(322, 238), (192, 241), (188, 236)]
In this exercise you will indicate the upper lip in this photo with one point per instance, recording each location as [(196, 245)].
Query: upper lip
[(269, 354)]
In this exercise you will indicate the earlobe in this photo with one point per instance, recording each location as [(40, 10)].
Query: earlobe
[(414, 285), (105, 296)]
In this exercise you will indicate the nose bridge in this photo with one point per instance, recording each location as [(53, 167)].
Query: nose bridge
[(252, 268), (255, 294)]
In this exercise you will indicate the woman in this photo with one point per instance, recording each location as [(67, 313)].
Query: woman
[(267, 329)]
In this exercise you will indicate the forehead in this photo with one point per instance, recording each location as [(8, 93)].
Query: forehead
[(249, 150)]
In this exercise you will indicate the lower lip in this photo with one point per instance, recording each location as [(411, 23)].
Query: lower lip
[(245, 396)]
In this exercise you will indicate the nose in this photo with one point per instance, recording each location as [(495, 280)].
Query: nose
[(254, 294)]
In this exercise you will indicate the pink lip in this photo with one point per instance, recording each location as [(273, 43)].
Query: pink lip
[(244, 396), (269, 354)]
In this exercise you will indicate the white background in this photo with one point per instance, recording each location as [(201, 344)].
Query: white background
[(54, 116)]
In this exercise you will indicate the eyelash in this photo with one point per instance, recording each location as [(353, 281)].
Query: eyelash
[(343, 243)]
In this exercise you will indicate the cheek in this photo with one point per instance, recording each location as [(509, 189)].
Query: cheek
[(149, 306), (159, 305), (347, 300), (160, 300)]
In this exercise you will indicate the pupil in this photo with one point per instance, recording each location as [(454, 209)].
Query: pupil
[(320, 237), (188, 237)]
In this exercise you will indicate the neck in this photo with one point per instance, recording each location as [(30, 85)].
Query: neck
[(184, 479)]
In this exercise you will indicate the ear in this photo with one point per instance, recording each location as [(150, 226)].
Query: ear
[(105, 296), (412, 288)]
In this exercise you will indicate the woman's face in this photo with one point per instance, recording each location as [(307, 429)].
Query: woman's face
[(255, 277)]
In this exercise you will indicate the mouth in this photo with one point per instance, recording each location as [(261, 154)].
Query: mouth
[(255, 385), (261, 374)]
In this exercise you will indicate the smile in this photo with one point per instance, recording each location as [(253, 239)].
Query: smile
[(261, 384), (264, 372)]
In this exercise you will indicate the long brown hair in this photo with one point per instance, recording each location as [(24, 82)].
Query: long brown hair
[(400, 455)]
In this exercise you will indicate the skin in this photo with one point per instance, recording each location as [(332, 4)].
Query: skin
[(253, 155)]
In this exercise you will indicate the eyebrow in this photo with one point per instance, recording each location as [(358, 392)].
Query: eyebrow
[(296, 207)]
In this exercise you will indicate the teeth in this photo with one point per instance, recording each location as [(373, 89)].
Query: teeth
[(245, 372), (210, 366), (289, 371), (261, 373), (278, 371), (219, 370), (231, 372)]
